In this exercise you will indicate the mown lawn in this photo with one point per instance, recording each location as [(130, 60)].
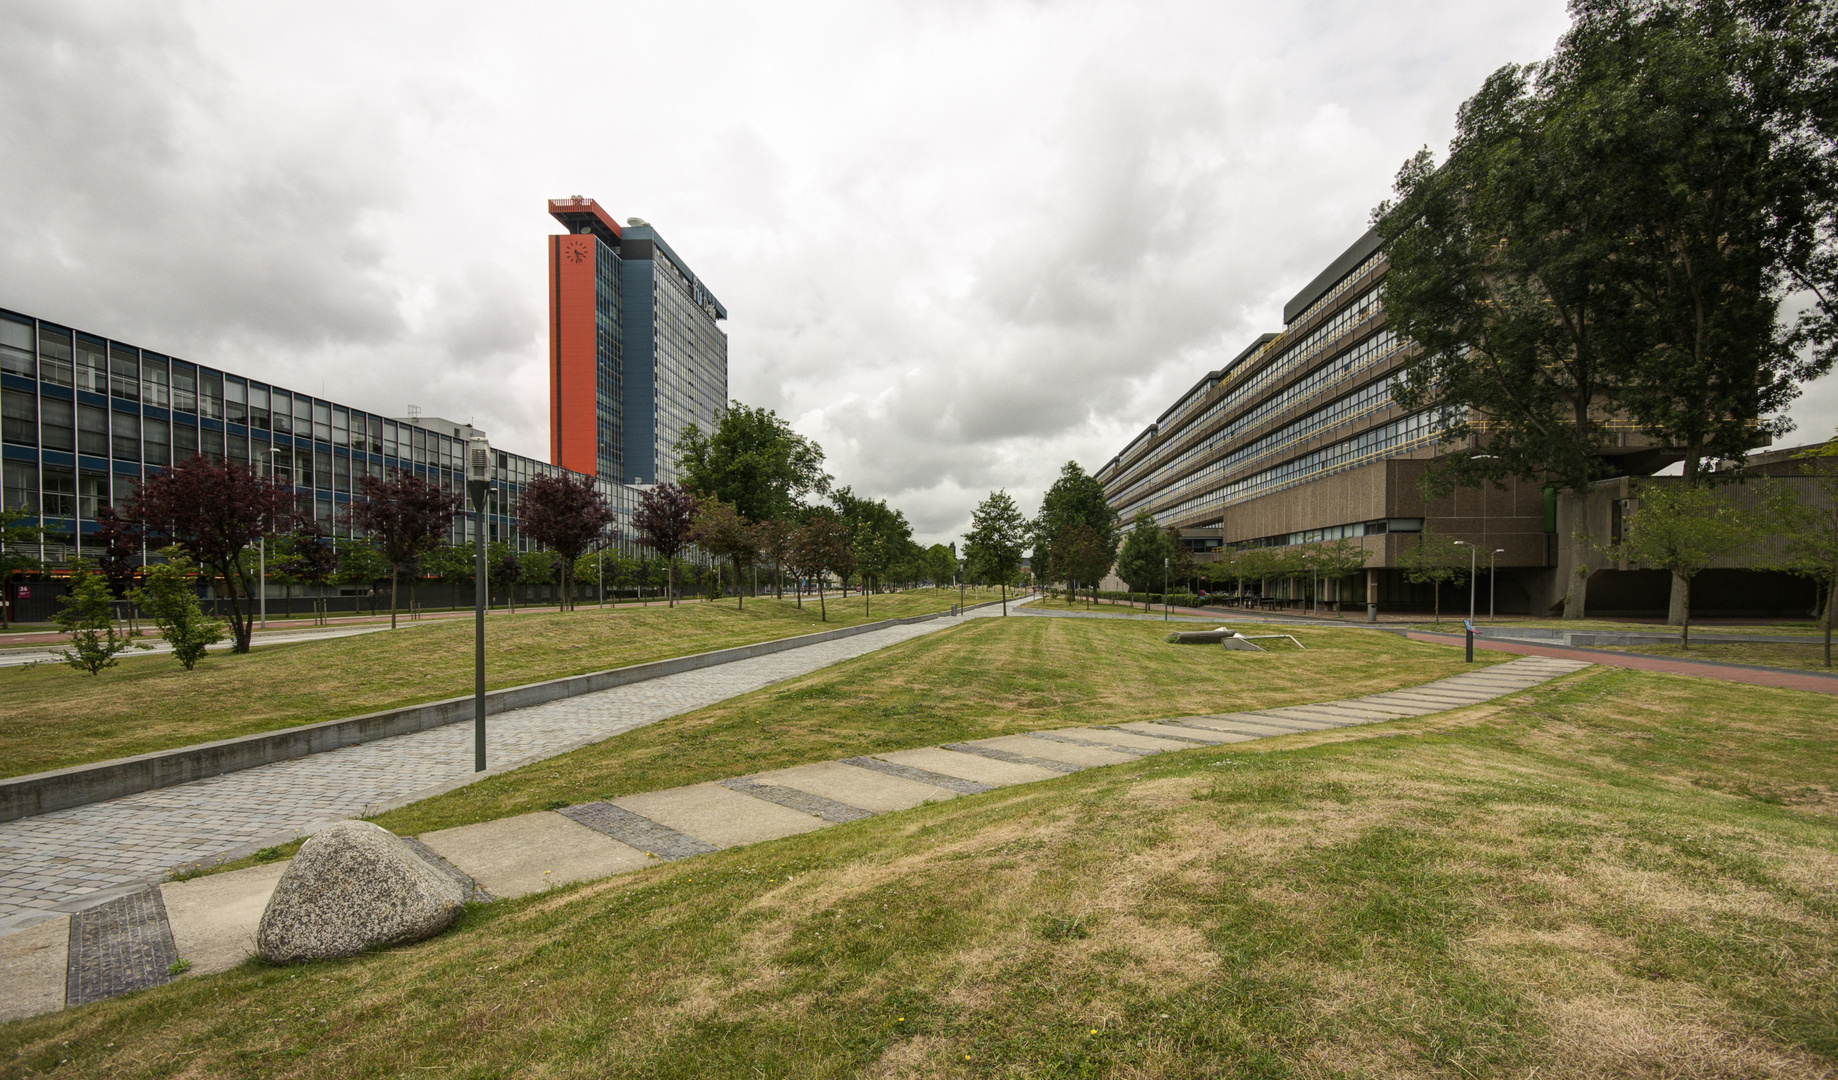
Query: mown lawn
[(52, 716), (986, 678), (1617, 874)]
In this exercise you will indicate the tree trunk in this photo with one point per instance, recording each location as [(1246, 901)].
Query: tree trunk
[(1678, 607), (823, 611), (1576, 595), (395, 578), (1826, 620), (1004, 599)]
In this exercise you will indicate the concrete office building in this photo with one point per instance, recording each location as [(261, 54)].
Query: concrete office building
[(636, 352), (1297, 440)]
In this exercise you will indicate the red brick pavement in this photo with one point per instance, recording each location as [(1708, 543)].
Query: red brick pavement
[(1754, 676)]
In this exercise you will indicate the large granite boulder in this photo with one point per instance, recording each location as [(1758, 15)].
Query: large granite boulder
[(353, 887)]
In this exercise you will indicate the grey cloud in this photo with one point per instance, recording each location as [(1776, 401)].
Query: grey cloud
[(148, 194)]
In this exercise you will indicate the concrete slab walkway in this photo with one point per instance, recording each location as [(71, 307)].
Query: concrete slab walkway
[(132, 942)]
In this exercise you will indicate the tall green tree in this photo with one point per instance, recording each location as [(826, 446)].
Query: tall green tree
[(941, 564), (1809, 529), (1498, 273), (1144, 555), (1076, 498), (721, 531), (997, 538), (753, 461), (1083, 556), (820, 547), (1683, 530), (1435, 560)]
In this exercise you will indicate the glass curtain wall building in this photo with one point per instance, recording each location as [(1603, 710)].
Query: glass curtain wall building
[(85, 417), (636, 352)]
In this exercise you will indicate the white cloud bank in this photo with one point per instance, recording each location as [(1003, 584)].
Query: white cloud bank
[(961, 242)]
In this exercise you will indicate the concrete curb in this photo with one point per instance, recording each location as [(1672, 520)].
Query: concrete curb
[(80, 785)]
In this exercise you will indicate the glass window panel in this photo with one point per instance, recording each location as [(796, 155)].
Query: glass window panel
[(19, 417), (54, 355), (153, 382), (322, 469), (210, 394), (210, 444), (126, 437), (57, 424), (303, 415), (258, 406), (238, 446), (341, 474), (92, 493), (124, 372), (236, 401), (341, 426), (156, 436), (60, 495), (376, 435), (92, 364), (184, 387), (16, 349), (19, 488), (184, 441), (92, 430), (322, 421), (282, 412)]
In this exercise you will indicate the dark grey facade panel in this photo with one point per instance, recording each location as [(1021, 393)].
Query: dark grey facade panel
[(1336, 271)]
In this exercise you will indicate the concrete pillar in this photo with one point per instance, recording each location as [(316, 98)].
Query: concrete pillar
[(1372, 596)]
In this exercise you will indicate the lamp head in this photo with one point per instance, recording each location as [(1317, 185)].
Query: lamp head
[(478, 460)]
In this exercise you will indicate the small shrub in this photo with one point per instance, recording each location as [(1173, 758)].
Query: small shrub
[(88, 616), (170, 597)]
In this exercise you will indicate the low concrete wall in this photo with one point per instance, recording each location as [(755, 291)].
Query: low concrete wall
[(79, 785)]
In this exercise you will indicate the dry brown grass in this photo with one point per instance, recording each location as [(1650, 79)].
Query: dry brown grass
[(1515, 890)]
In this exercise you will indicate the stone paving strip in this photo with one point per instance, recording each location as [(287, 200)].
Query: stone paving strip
[(66, 859), (131, 942)]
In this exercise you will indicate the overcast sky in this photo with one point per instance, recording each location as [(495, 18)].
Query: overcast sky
[(959, 242)]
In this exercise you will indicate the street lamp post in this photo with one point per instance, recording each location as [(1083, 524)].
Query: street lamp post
[(1164, 590), (478, 485), (1473, 565), (1497, 552)]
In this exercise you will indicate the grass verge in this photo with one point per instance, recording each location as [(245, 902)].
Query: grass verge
[(1623, 873), (52, 716), (986, 678)]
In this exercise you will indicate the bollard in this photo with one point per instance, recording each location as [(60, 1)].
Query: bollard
[(1468, 629)]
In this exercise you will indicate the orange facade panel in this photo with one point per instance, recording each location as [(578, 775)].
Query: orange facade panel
[(573, 354)]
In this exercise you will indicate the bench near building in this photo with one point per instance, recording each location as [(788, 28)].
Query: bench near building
[(1297, 440)]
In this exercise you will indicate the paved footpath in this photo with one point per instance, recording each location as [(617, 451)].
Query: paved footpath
[(131, 942), (68, 859)]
